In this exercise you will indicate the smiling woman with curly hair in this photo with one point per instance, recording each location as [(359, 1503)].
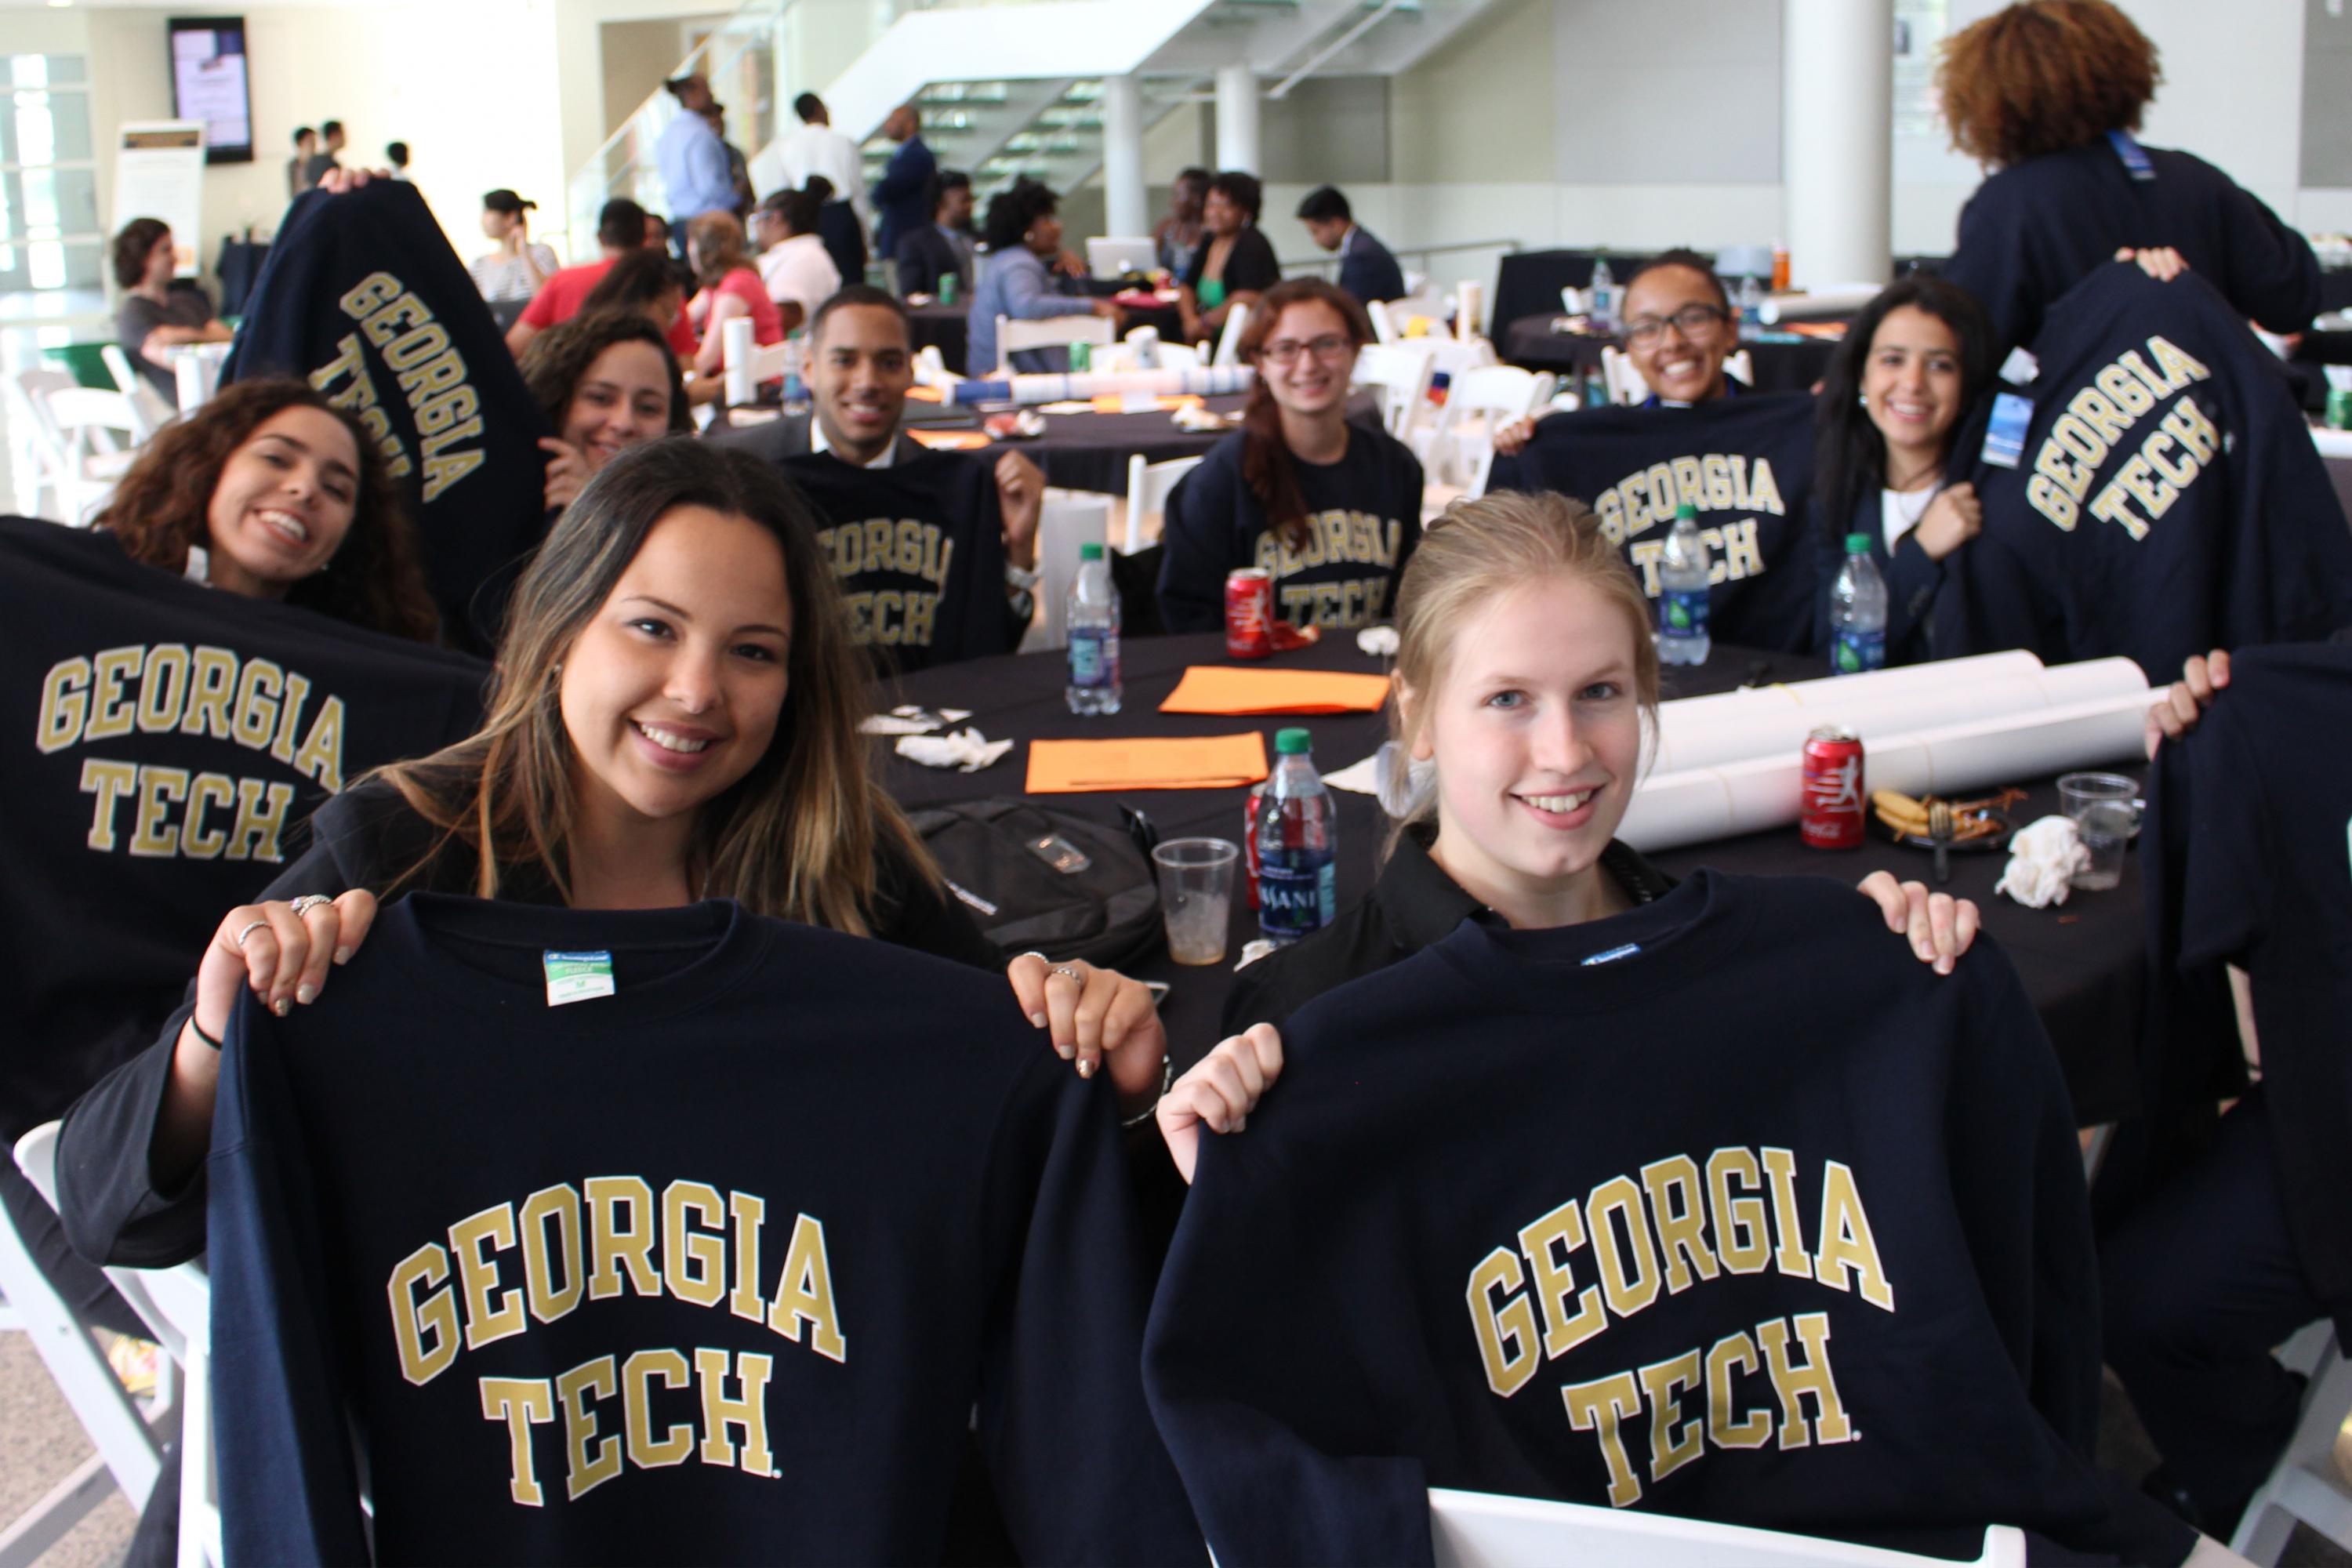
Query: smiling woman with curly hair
[(2047, 94), (285, 497)]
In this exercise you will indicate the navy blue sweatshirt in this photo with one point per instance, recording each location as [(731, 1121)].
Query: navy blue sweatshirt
[(2251, 816), (174, 740), (1363, 523), (2034, 230), (2168, 499), (1912, 577), (1745, 462), (1624, 1214), (715, 1267), (363, 297), (919, 547)]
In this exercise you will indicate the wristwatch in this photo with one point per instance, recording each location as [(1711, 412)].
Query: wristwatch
[(1019, 576)]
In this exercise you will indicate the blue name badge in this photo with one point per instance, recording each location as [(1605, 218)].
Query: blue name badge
[(2004, 441), (2135, 156)]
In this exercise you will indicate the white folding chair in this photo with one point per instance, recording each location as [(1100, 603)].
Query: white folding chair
[(1229, 343), (1492, 394), (1624, 383), (1053, 332), (35, 456), (130, 1452), (147, 405), (2305, 1486), (1383, 324), (1480, 1530), (1402, 371), (176, 1305), (1740, 366), (1067, 520), (1148, 485), (931, 368), (73, 437), (746, 364)]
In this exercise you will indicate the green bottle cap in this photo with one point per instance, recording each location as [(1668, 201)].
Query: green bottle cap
[(1090, 552), (1687, 511), (1857, 544), (1291, 743)]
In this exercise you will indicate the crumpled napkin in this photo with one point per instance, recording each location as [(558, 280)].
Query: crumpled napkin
[(967, 748), (909, 719), (2042, 858), (1381, 642), (1252, 951), (1402, 785), (1198, 420)]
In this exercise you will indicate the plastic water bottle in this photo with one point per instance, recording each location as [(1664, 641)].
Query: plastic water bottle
[(1093, 622), (1751, 310), (1857, 612), (796, 392), (1297, 846), (1682, 592), (1604, 296)]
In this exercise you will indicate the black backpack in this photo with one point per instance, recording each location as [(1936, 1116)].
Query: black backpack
[(1062, 884)]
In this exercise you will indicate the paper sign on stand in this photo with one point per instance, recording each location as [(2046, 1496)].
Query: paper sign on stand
[(159, 172)]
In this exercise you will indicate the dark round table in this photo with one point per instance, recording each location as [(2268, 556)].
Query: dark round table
[(947, 328), (2082, 964), (1785, 361)]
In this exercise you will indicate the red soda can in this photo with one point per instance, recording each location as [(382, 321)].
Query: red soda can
[(1250, 810), (1249, 613), (1831, 814)]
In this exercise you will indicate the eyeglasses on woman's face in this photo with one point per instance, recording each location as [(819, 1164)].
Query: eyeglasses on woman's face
[(1330, 349), (1692, 322)]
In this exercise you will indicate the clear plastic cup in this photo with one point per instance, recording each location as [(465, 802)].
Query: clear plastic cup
[(2105, 808), (1196, 896)]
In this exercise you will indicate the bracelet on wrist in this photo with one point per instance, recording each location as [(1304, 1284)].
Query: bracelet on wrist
[(199, 1030), (1167, 1082)]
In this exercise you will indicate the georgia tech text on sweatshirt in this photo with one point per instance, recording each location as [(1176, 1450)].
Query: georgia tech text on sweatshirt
[(1680, 1223), (2102, 419), (1333, 537), (1710, 482), (171, 689), (608, 1236), (907, 547), (431, 374)]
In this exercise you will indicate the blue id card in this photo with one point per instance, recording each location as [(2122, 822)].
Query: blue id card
[(2004, 441)]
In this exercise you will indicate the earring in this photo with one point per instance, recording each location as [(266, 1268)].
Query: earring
[(1863, 398)]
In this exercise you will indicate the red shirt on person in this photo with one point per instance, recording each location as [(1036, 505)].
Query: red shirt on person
[(560, 298), (743, 283)]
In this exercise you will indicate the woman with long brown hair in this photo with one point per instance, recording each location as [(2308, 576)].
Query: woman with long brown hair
[(675, 717), (2046, 94), (269, 491), (1329, 507), (729, 286)]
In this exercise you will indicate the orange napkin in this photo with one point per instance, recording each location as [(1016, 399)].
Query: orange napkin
[(949, 440), (1199, 762), (927, 395), (1226, 688)]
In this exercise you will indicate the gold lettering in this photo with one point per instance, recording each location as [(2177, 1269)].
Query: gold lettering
[(152, 833), (163, 687), (486, 1319), (1678, 1208), (1756, 1430), (110, 782), (1629, 1278), (1848, 1245), (1602, 1408), (435, 1317), (541, 1262), (209, 692), (693, 1262), (749, 1412), (1505, 1331), (611, 1245), (1739, 1229), (1547, 1243), (804, 1293), (586, 1468), (111, 710), (638, 1374), (1670, 1451), (521, 1403), (1798, 1381), (65, 704), (197, 842), (261, 812)]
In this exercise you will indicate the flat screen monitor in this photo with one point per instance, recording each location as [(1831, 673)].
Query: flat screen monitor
[(210, 83)]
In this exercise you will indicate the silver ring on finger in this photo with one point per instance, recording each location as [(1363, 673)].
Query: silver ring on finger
[(1066, 969), (250, 927), (308, 901)]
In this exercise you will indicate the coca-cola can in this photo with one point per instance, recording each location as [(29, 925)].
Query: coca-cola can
[(1249, 613), (1831, 814), (1250, 809)]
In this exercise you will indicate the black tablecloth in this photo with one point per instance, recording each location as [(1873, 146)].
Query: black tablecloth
[(2082, 965), (942, 327), (1792, 365), (1528, 282), (947, 328)]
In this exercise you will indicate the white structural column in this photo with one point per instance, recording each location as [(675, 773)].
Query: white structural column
[(1126, 214), (1237, 119), (1837, 133)]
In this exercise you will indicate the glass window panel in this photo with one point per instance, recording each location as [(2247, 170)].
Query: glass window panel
[(29, 70), (47, 268), (37, 140)]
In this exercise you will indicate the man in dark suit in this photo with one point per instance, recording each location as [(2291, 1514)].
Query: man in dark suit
[(902, 196), (860, 366), (943, 246), (1366, 270)]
